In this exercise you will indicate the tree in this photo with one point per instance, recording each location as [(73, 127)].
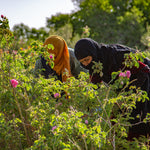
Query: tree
[(131, 28), (110, 21), (58, 21), (25, 35), (144, 7)]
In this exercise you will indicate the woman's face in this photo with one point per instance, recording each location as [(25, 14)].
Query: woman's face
[(85, 61)]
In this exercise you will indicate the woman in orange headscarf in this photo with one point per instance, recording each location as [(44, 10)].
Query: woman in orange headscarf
[(65, 63), (61, 56)]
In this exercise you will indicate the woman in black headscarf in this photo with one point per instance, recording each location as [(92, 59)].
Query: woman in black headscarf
[(88, 51)]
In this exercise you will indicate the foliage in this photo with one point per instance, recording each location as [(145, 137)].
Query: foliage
[(24, 36), (47, 114), (129, 24), (144, 6), (61, 20), (67, 33), (145, 39), (110, 21)]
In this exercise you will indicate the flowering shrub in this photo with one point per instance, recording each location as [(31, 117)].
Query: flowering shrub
[(122, 74), (38, 113)]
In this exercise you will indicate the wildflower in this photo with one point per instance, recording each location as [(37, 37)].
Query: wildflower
[(56, 95), (122, 74), (86, 121), (53, 128), (51, 56), (14, 82), (2, 16), (128, 73)]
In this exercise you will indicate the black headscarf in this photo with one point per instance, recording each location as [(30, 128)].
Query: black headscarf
[(86, 47), (111, 56)]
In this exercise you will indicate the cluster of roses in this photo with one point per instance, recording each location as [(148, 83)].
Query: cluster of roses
[(125, 74), (14, 83)]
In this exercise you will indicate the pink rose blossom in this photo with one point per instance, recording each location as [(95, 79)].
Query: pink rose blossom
[(53, 128), (51, 56), (122, 82), (128, 74), (122, 74), (86, 121), (59, 104), (56, 95), (14, 82), (14, 52)]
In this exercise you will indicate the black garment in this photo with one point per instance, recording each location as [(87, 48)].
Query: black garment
[(41, 67), (112, 57), (48, 71)]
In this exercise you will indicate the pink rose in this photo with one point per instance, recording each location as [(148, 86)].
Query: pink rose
[(59, 104), (122, 82), (86, 121), (122, 74), (14, 82), (51, 56), (56, 95), (53, 128), (14, 52), (128, 73)]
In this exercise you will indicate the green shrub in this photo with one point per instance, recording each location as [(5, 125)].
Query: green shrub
[(38, 113)]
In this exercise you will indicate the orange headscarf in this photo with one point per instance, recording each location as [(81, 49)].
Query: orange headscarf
[(61, 56)]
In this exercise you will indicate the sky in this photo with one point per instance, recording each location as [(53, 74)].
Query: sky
[(33, 13)]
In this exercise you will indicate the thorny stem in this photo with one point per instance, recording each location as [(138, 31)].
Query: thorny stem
[(86, 148), (16, 130), (22, 118), (73, 142)]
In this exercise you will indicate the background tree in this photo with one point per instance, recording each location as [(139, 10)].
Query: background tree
[(25, 35), (66, 32), (110, 21), (113, 23), (61, 20)]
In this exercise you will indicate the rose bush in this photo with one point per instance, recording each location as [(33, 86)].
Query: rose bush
[(35, 115)]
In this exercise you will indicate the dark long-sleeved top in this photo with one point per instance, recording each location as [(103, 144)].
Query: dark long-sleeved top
[(112, 58), (41, 67), (141, 75)]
